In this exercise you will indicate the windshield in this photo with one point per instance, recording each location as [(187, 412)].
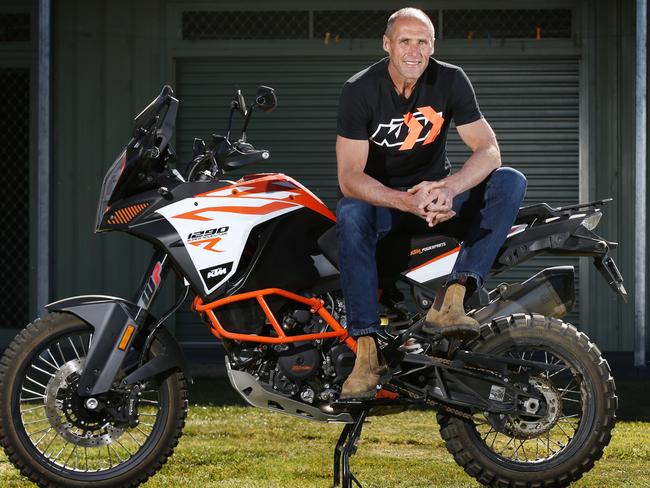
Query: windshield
[(141, 165), (108, 186)]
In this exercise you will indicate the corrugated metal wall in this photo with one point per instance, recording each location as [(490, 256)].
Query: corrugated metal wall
[(532, 103), (110, 58), (107, 68)]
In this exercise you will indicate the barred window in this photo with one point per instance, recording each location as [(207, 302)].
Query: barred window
[(504, 24), (370, 24), (14, 197), (245, 25), (14, 27), (355, 24)]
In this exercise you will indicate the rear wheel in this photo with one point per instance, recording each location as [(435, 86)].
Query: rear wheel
[(57, 439), (580, 403)]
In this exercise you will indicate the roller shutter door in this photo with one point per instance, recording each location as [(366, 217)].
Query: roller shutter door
[(532, 104)]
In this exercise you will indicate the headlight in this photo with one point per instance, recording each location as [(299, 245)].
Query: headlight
[(591, 222)]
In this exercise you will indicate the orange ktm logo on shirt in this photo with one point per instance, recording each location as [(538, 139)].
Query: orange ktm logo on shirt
[(422, 126)]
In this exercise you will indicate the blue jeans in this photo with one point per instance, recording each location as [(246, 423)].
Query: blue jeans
[(484, 215)]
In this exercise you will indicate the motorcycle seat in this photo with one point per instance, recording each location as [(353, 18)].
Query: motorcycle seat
[(397, 252)]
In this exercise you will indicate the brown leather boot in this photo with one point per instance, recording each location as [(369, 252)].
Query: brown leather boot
[(368, 368), (447, 315)]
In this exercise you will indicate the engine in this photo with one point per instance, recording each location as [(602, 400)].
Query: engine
[(311, 372)]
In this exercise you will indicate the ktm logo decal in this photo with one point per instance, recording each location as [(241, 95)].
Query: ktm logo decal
[(422, 126), (209, 244)]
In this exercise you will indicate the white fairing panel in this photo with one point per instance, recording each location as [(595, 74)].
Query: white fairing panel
[(215, 229)]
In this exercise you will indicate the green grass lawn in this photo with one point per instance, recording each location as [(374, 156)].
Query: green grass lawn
[(229, 445)]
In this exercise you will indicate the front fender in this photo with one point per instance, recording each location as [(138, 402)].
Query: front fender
[(110, 317)]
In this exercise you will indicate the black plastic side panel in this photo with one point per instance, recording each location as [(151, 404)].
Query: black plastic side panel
[(533, 241), (286, 260), (163, 236)]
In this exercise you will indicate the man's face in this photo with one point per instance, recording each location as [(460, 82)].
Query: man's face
[(409, 46)]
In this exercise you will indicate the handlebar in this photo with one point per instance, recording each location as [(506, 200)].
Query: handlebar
[(240, 154)]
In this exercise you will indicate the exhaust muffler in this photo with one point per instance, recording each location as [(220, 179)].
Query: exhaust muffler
[(550, 292)]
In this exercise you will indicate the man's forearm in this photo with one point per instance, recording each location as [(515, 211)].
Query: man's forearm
[(479, 165), (366, 188)]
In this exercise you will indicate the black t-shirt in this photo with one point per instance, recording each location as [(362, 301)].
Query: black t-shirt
[(408, 137)]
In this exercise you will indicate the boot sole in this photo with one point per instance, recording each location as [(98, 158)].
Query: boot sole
[(367, 395)]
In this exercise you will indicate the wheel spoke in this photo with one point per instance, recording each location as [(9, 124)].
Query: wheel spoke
[(134, 439), (74, 348), (56, 435), (52, 358), (122, 446), (32, 408), (44, 419), (56, 368), (83, 348), (74, 449), (558, 372), (42, 370), (567, 435), (565, 399), (47, 431), (58, 346), (39, 395), (61, 451), (36, 382)]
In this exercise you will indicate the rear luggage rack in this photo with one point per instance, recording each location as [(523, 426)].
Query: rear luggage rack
[(545, 211)]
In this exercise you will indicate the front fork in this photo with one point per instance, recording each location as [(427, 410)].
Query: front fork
[(153, 278), (116, 325)]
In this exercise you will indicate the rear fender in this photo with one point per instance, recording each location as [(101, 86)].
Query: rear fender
[(110, 317)]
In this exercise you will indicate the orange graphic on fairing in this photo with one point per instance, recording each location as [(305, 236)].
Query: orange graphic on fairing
[(289, 193), (263, 210), (210, 243)]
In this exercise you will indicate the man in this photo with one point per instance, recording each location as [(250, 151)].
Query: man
[(394, 174)]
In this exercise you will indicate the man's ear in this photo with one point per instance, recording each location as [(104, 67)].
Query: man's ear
[(386, 44)]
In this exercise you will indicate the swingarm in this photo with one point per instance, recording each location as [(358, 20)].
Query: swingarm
[(475, 381)]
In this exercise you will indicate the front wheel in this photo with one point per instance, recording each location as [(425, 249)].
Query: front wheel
[(53, 436), (580, 402)]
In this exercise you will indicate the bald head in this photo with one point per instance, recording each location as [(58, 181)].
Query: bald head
[(409, 13)]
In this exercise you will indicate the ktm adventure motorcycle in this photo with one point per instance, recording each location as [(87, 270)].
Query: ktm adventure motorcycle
[(96, 390)]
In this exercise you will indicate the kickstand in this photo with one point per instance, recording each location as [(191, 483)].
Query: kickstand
[(346, 445)]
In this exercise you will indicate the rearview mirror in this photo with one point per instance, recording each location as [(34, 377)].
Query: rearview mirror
[(265, 98), (238, 103)]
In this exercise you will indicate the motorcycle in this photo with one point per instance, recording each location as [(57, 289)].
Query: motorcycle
[(95, 391)]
